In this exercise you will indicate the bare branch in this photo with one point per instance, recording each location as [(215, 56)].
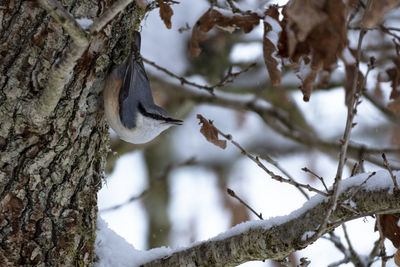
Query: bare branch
[(355, 258), (69, 24), (263, 167), (386, 163), (108, 15), (130, 200), (62, 70), (233, 194), (229, 77), (278, 237), (279, 167), (305, 169), (351, 111)]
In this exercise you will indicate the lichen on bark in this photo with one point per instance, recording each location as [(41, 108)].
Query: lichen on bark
[(50, 175)]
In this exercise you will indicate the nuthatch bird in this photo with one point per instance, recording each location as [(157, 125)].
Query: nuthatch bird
[(128, 102)]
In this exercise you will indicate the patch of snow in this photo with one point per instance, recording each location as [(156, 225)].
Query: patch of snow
[(113, 250), (84, 22), (307, 235)]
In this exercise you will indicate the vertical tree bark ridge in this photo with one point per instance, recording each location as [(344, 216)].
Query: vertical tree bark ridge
[(49, 177)]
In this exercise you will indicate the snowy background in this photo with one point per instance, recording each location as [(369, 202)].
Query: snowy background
[(196, 205)]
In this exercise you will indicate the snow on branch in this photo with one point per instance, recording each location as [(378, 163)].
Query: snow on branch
[(277, 237)]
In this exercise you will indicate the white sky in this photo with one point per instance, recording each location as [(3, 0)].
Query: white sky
[(325, 110)]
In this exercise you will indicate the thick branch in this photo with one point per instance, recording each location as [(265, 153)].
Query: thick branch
[(108, 15), (276, 238), (62, 70)]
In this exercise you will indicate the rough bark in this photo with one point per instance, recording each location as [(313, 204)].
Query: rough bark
[(283, 238), (50, 175)]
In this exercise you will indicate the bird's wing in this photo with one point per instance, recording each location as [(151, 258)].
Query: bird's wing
[(135, 90)]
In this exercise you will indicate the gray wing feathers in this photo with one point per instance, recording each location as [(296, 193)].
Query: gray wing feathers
[(135, 87)]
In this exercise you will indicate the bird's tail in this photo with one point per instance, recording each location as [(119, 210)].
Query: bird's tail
[(136, 46)]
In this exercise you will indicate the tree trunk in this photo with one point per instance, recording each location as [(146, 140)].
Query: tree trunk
[(50, 174)]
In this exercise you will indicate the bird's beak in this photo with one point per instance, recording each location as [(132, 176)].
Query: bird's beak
[(173, 121)]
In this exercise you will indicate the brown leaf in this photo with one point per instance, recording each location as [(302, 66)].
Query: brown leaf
[(390, 227), (394, 77), (166, 13), (307, 74), (272, 30), (350, 75), (318, 27), (222, 19), (394, 106), (210, 132), (375, 11), (397, 257), (306, 15)]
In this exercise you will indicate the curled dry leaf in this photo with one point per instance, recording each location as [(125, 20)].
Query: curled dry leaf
[(317, 30), (307, 74), (272, 30), (375, 11), (166, 13), (225, 19), (390, 227), (210, 132), (304, 16)]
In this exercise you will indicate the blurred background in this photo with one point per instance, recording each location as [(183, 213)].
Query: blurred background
[(172, 191)]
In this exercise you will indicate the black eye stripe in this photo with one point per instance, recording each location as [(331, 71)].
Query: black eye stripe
[(154, 116)]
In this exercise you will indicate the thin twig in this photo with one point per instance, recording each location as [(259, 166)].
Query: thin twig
[(269, 172), (279, 167), (229, 77), (387, 165), (382, 108), (305, 169), (351, 111), (130, 200), (277, 119), (381, 241), (233, 194), (358, 216), (360, 186), (355, 258), (341, 262)]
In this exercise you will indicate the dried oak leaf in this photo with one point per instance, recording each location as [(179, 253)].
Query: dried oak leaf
[(166, 13), (307, 73), (375, 11), (314, 26), (210, 132), (216, 17), (304, 16), (272, 30), (390, 227), (315, 30)]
